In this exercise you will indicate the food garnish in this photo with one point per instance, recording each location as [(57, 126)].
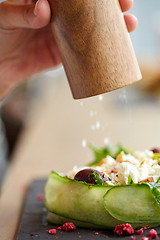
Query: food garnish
[(52, 231), (140, 231), (124, 229), (152, 234), (67, 227)]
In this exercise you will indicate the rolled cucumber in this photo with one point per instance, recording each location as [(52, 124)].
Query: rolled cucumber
[(132, 203), (100, 206), (78, 200), (60, 220)]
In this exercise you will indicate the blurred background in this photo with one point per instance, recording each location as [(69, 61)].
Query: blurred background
[(41, 120)]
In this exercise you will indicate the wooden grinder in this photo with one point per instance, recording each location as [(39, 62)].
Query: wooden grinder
[(95, 46)]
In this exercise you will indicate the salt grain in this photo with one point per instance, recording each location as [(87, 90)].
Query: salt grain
[(106, 141), (84, 143), (100, 97), (98, 125), (81, 103), (91, 114), (93, 127)]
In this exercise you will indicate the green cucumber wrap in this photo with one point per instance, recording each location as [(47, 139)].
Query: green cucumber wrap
[(101, 206)]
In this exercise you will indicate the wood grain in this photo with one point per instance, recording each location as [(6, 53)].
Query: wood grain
[(95, 46)]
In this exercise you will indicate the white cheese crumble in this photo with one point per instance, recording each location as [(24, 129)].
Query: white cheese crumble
[(140, 166)]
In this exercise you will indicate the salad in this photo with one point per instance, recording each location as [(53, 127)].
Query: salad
[(119, 186)]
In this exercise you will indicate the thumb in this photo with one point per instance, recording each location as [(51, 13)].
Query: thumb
[(25, 16)]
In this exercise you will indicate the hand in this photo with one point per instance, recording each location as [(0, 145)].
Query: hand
[(27, 45)]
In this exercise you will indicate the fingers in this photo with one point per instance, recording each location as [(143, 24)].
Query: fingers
[(27, 16), (126, 5), (131, 22)]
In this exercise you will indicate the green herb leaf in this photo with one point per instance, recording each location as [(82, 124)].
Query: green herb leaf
[(119, 149), (155, 190), (158, 180), (156, 156), (130, 180), (99, 154), (96, 177), (156, 194)]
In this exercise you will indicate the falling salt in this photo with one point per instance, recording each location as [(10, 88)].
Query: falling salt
[(100, 97), (81, 103), (98, 125), (123, 96), (84, 143), (106, 141), (93, 127), (124, 100), (91, 114)]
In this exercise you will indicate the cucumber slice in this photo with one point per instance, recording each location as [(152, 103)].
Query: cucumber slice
[(59, 220), (132, 203), (99, 206), (56, 219), (76, 200)]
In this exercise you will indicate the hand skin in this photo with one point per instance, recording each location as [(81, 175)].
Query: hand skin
[(27, 45)]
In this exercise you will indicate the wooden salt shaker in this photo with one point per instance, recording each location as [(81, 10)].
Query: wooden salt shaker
[(95, 46)]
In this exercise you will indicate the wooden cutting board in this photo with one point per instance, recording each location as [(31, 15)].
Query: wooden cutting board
[(34, 221)]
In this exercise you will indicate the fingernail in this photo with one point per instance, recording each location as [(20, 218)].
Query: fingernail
[(39, 4), (35, 11)]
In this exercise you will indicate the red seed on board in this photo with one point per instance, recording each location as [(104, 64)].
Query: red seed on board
[(152, 234), (140, 231), (146, 227), (52, 231), (41, 197), (133, 238), (67, 227), (124, 229)]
